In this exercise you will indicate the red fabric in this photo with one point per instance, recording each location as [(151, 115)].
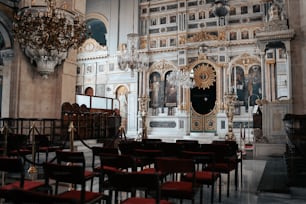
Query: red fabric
[(28, 185), (89, 174), (177, 189), (106, 168), (74, 194), (143, 201)]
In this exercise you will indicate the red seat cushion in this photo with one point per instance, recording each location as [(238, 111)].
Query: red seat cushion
[(28, 185), (74, 194), (89, 174), (177, 189), (143, 201)]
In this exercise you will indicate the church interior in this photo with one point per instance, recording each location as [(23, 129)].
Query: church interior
[(110, 78)]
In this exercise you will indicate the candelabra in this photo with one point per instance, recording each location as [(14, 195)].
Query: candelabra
[(180, 78), (143, 101), (230, 106), (46, 33), (130, 56)]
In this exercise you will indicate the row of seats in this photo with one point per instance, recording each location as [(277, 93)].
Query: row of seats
[(217, 158), (197, 165)]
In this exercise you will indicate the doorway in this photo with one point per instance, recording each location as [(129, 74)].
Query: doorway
[(203, 98)]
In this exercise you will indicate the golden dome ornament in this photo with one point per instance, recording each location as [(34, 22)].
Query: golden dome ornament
[(204, 76)]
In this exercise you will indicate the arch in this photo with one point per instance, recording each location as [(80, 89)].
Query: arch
[(100, 17), (244, 60), (6, 30), (162, 67)]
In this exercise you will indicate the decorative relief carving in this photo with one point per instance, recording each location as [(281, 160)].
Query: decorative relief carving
[(202, 36), (91, 45), (204, 76)]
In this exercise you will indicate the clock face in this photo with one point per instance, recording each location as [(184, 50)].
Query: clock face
[(89, 47)]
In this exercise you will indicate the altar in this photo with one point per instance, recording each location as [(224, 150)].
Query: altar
[(165, 125)]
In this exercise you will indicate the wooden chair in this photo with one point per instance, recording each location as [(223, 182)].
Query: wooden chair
[(226, 162), (110, 164), (75, 175), (75, 158), (189, 145), (20, 196), (203, 175), (17, 145), (235, 152), (14, 166), (97, 151), (129, 147), (172, 186), (170, 149), (145, 184)]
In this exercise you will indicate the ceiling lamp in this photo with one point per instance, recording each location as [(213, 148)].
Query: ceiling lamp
[(130, 56), (180, 78), (46, 33)]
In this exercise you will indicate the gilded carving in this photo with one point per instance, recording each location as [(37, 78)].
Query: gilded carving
[(202, 36), (204, 76)]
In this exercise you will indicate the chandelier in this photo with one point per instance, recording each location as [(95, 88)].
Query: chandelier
[(130, 56), (180, 78), (46, 33)]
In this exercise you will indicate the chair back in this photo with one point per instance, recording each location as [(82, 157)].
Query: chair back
[(170, 149), (175, 165), (201, 159), (191, 145), (132, 181), (72, 174), (119, 162), (70, 157), (65, 173), (13, 165), (97, 151)]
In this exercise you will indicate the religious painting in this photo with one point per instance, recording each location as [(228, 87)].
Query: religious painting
[(245, 35), (254, 84), (239, 78), (233, 36), (155, 87), (171, 93)]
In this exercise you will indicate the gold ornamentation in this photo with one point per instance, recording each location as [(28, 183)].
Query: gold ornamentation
[(204, 76)]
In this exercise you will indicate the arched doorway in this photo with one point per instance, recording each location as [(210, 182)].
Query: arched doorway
[(203, 98)]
